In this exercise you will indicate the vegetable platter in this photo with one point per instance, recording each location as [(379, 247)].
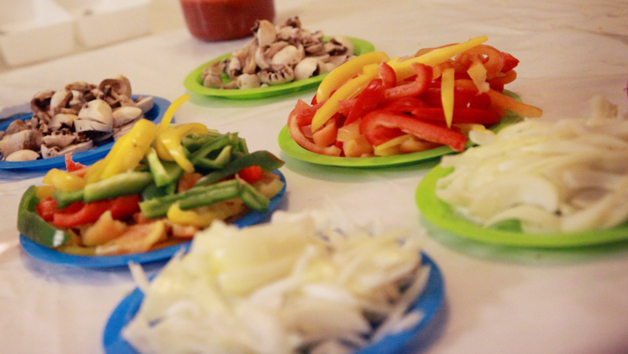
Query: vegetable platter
[(155, 189)]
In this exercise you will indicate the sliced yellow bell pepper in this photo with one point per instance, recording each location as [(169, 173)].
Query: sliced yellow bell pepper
[(447, 94), (404, 70), (167, 118), (190, 217), (44, 192), (63, 180), (126, 153), (346, 71), (347, 91), (169, 146)]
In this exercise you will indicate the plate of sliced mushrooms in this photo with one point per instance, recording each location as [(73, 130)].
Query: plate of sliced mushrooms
[(280, 59), (81, 119)]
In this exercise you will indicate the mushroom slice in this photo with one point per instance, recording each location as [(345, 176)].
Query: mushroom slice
[(145, 103), (60, 139), (290, 55), (41, 101), (23, 155), (247, 81), (62, 120), (15, 127), (97, 111), (125, 115), (276, 75), (55, 151), (307, 68), (265, 33), (24, 140), (84, 125)]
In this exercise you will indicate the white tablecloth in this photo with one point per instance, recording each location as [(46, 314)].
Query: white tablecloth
[(498, 299)]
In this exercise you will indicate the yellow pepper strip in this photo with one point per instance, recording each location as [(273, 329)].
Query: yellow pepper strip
[(170, 141), (346, 71), (447, 94), (189, 217), (404, 70), (94, 171), (347, 91), (167, 118), (63, 180), (126, 153)]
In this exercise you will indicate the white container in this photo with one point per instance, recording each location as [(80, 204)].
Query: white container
[(34, 30), (101, 22)]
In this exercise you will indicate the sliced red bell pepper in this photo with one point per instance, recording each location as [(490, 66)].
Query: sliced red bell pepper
[(510, 62), (463, 98), (88, 213), (345, 106), (423, 130), (387, 74), (72, 166), (418, 86), (367, 101), (46, 208), (297, 134), (405, 105), (461, 115), (124, 206)]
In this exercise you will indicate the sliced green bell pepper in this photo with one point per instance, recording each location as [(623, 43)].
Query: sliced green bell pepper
[(33, 227)]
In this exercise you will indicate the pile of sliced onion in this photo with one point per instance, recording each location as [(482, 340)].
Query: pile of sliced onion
[(569, 175), (311, 282)]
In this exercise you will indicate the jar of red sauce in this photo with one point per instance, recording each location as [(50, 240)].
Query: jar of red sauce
[(221, 20)]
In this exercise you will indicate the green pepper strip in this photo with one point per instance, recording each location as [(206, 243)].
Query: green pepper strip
[(164, 172), (264, 159), (223, 158), (64, 199), (191, 198), (33, 227), (216, 144), (118, 185), (253, 199)]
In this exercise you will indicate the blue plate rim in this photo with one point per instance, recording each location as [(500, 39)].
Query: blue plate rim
[(429, 303), (160, 105), (52, 256)]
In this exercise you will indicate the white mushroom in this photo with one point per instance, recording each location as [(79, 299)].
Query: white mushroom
[(23, 155), (62, 120), (145, 103), (96, 111), (246, 81), (124, 115), (307, 68), (55, 151), (344, 42), (290, 55), (276, 75), (60, 139), (60, 99), (24, 140), (266, 33)]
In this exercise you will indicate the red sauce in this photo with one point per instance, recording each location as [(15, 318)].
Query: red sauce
[(220, 20)]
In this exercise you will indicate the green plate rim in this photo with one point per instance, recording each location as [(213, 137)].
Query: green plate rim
[(192, 82), (293, 149), (443, 216)]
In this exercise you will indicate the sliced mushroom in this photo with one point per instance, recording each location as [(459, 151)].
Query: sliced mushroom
[(55, 151), (265, 33), (145, 103), (24, 140), (62, 120), (60, 139), (307, 68), (96, 111), (246, 81), (23, 155), (276, 75), (60, 100), (15, 127), (125, 115), (290, 55)]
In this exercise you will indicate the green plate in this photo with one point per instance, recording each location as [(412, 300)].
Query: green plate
[(293, 149), (194, 83), (443, 216)]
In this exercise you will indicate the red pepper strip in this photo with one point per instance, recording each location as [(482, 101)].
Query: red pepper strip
[(510, 62), (89, 213), (387, 74), (503, 102), (345, 106), (463, 98), (461, 115), (405, 105), (367, 101), (413, 89), (498, 82), (124, 206), (305, 112), (380, 134), (72, 166), (46, 208), (423, 130), (297, 135)]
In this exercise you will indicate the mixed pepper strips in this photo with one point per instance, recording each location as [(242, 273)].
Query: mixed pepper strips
[(373, 105), (154, 179)]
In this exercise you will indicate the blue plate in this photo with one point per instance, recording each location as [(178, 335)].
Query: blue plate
[(160, 106), (429, 302), (53, 256)]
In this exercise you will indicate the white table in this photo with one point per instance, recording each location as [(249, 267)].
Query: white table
[(498, 299)]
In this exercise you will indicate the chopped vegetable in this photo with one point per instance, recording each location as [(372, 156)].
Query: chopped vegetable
[(443, 87), (548, 176), (297, 285)]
